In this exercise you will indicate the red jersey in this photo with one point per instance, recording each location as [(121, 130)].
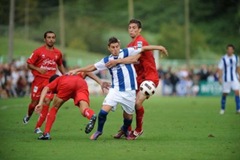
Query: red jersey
[(70, 86), (47, 59), (146, 67)]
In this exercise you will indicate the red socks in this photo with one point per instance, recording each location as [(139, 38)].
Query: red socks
[(88, 113), (50, 119), (42, 116), (139, 119), (30, 109)]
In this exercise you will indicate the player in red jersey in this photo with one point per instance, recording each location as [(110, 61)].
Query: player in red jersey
[(66, 87), (45, 108), (44, 63), (146, 70)]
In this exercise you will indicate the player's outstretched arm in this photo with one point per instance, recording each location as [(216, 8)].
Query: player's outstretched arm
[(152, 47), (103, 85), (89, 68), (134, 59), (94, 77), (38, 107), (127, 60)]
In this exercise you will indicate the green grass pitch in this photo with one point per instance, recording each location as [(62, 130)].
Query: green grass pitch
[(182, 128)]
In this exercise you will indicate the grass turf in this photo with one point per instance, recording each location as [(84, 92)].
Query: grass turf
[(174, 128)]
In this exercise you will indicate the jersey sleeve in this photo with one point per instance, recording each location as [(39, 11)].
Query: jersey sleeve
[(220, 64), (33, 58), (134, 50), (101, 65)]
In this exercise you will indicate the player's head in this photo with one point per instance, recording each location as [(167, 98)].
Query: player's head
[(134, 28), (114, 46), (52, 78), (230, 49), (50, 38)]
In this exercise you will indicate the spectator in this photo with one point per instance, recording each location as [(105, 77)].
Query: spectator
[(204, 73)]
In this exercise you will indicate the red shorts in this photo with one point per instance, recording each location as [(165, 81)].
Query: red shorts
[(37, 86), (77, 92), (82, 95)]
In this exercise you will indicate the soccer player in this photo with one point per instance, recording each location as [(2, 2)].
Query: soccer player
[(229, 71), (66, 87), (146, 70), (45, 108), (43, 63), (124, 84)]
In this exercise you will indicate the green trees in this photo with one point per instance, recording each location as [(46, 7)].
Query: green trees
[(213, 24)]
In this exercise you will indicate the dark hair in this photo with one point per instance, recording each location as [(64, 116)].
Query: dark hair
[(139, 24), (45, 34), (112, 40), (231, 45), (52, 78)]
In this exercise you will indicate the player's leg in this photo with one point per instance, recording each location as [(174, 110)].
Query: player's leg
[(57, 103), (109, 103), (36, 89), (226, 88), (81, 100), (139, 113), (235, 87), (223, 103), (31, 108), (127, 121), (89, 114), (102, 117), (43, 114), (128, 105), (237, 101)]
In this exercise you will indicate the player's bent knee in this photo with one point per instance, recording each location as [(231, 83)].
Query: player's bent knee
[(139, 103), (127, 116), (34, 102), (47, 101), (106, 108)]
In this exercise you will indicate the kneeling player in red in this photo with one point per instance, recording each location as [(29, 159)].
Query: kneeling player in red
[(66, 87)]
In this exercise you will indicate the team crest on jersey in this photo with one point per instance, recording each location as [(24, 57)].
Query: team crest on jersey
[(43, 55), (56, 57), (139, 44)]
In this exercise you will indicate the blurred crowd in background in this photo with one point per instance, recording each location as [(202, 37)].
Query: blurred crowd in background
[(185, 81), (16, 79)]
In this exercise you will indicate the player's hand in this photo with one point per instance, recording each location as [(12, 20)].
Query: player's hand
[(105, 85), (111, 64), (38, 108), (41, 70), (163, 51), (72, 72)]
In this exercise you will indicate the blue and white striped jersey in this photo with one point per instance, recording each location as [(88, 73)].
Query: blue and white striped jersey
[(123, 75), (228, 65)]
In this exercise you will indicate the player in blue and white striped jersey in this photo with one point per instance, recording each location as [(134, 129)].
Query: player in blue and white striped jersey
[(124, 85), (229, 69)]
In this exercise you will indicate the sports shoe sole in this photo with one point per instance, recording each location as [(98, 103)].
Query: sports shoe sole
[(91, 124), (42, 137)]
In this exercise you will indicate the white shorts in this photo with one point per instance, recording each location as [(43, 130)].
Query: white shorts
[(126, 99), (227, 86)]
